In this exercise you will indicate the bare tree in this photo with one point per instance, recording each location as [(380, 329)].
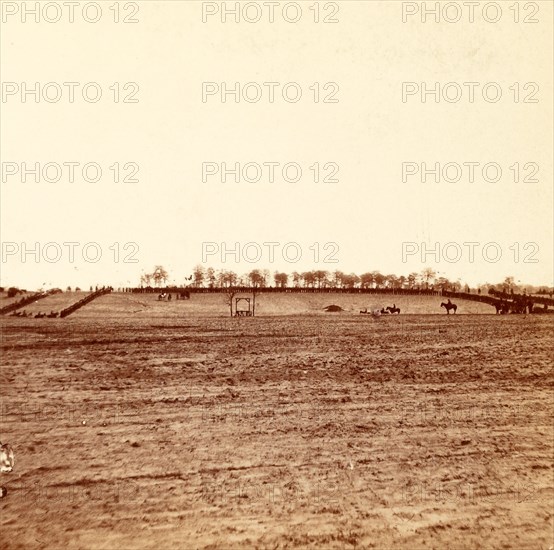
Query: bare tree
[(390, 280), (366, 280), (321, 278), (281, 279), (378, 278), (256, 280), (427, 275), (412, 280), (309, 278), (160, 275), (337, 279), (227, 278), (198, 274), (210, 276), (510, 284), (443, 283), (230, 298), (145, 279), (350, 281)]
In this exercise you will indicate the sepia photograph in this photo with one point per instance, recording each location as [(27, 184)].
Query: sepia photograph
[(276, 275)]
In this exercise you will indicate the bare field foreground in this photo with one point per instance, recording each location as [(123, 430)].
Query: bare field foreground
[(138, 424)]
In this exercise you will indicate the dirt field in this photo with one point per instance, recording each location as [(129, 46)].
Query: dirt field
[(329, 431)]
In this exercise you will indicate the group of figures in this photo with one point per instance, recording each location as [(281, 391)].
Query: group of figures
[(389, 310), (166, 296), (39, 315), (518, 305)]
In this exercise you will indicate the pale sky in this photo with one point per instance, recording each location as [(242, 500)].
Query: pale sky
[(369, 133)]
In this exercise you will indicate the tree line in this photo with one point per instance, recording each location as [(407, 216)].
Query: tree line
[(208, 277)]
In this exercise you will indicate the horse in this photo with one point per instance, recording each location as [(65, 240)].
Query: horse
[(393, 309), (162, 296), (365, 311), (448, 306), (40, 315)]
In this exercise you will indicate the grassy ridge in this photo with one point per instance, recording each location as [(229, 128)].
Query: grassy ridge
[(125, 304)]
